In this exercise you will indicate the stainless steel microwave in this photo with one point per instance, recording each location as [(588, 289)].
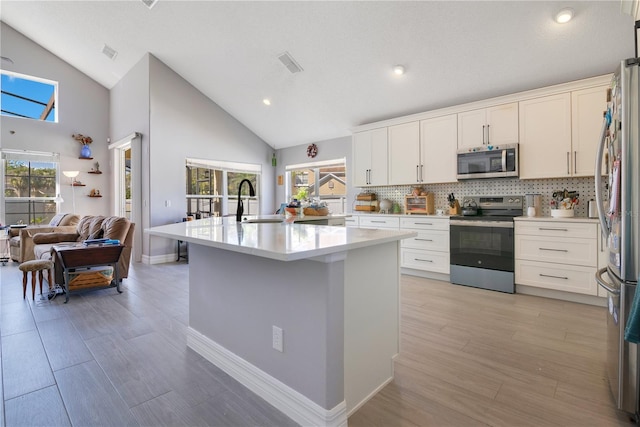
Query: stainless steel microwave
[(488, 162)]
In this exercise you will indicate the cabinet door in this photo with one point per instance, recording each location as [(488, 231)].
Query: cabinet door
[(545, 137), (404, 153), (361, 154), (438, 146), (378, 174), (503, 124), (587, 107), (471, 128)]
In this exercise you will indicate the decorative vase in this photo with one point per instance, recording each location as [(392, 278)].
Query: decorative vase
[(85, 153)]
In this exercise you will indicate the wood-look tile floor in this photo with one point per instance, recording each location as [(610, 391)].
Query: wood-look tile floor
[(468, 357)]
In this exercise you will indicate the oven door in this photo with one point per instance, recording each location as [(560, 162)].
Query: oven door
[(482, 244)]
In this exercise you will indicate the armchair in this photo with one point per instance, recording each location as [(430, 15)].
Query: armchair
[(89, 227), (20, 239)]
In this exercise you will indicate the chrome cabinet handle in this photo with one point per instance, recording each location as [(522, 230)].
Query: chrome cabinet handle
[(555, 250), (417, 173), (378, 222), (425, 240), (423, 260), (575, 161), (488, 140), (554, 277), (552, 229), (568, 161), (423, 223), (421, 177)]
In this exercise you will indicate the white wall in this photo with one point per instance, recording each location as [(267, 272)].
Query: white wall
[(83, 107)]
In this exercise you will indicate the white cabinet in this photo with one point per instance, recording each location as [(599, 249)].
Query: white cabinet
[(587, 109), (438, 147), (404, 153), (429, 251), (423, 152), (369, 150), (545, 137), (488, 126), (558, 255), (379, 221)]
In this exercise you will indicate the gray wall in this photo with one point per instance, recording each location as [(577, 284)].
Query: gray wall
[(330, 149), (83, 107)]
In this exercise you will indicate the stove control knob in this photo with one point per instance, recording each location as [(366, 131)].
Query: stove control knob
[(516, 200), (510, 200)]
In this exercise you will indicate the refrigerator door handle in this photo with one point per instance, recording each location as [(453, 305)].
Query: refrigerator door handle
[(598, 176), (606, 285)]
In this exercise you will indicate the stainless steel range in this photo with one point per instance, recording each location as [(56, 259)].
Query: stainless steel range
[(481, 242)]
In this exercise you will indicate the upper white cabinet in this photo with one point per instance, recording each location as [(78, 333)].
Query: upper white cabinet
[(545, 136), (423, 152), (438, 146), (404, 153), (559, 133), (370, 157), (488, 126), (588, 106)]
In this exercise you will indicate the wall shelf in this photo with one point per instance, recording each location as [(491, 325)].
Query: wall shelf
[(79, 185), (85, 158), (95, 172), (99, 195)]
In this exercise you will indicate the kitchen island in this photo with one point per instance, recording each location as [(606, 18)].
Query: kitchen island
[(306, 316)]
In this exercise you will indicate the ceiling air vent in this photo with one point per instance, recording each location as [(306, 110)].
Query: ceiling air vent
[(290, 63), (109, 52), (149, 3)]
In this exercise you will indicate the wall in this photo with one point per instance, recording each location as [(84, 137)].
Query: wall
[(185, 123), (83, 107), (330, 149)]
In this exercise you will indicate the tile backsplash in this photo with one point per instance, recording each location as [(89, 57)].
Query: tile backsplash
[(506, 186)]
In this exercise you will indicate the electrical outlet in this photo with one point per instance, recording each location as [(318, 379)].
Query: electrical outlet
[(278, 338)]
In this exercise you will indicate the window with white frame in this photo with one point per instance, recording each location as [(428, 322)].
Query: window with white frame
[(326, 181), (31, 184), (28, 97), (212, 187)]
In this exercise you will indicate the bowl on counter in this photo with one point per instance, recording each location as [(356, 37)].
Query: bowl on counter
[(562, 213)]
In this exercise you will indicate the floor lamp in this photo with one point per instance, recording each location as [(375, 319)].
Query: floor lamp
[(72, 175)]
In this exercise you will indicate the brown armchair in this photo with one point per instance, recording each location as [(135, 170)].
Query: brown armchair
[(90, 227), (20, 239)]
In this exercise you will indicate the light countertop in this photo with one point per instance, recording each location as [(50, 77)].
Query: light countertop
[(282, 241)]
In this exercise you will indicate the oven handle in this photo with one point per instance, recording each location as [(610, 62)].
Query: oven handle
[(494, 224), (606, 285)]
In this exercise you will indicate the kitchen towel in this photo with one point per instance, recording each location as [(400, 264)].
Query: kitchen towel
[(632, 330)]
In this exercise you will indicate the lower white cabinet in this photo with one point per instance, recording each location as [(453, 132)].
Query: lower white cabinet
[(558, 255), (352, 221), (379, 221), (429, 251)]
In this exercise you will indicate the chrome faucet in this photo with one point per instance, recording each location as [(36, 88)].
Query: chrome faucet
[(252, 193)]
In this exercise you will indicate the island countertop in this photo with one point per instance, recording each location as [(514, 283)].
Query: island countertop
[(281, 241)]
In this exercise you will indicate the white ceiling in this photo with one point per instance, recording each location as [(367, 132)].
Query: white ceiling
[(454, 52)]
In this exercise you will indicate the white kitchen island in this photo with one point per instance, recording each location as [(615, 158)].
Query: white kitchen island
[(333, 291)]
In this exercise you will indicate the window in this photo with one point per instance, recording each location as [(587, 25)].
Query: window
[(326, 181), (212, 187), (30, 186), (29, 97)]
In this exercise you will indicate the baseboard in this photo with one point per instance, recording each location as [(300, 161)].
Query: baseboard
[(566, 296), (159, 259), (425, 274), (290, 402)]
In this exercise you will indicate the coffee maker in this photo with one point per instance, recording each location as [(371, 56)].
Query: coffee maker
[(533, 204)]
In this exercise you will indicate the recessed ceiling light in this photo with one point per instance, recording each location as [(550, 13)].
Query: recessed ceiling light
[(398, 70), (266, 101), (564, 15), (149, 3)]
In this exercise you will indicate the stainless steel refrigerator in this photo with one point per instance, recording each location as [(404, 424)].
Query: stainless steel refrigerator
[(618, 197)]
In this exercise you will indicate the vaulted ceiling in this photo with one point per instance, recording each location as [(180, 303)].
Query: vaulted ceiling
[(453, 52)]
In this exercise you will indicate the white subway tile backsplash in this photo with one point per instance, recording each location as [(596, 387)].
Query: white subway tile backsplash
[(506, 186)]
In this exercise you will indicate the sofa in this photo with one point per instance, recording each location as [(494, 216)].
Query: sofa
[(20, 239), (89, 227)]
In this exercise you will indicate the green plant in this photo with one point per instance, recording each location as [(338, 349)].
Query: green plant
[(302, 194)]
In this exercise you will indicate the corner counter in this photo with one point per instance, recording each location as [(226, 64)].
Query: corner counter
[(332, 291)]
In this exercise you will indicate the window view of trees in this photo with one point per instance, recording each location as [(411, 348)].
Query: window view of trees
[(29, 191)]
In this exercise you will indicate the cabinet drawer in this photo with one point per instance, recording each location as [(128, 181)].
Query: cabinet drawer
[(351, 221), (557, 250), (560, 277), (435, 240), (426, 223), (425, 260), (582, 230), (379, 222)]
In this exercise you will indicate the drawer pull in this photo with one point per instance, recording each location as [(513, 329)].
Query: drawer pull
[(552, 229), (423, 223), (554, 250), (554, 277), (424, 260), (379, 222), (425, 240)]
